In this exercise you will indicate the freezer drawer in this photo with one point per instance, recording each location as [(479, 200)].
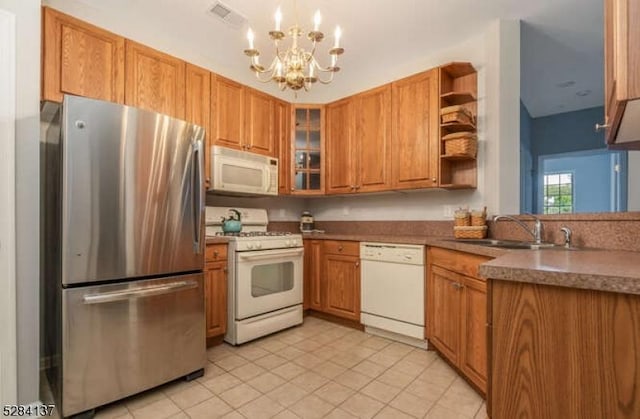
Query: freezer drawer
[(120, 339)]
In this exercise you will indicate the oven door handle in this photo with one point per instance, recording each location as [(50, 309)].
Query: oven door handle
[(267, 254)]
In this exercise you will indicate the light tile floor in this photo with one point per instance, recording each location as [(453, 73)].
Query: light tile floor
[(317, 370)]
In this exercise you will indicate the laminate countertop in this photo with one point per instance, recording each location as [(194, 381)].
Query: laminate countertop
[(592, 269)]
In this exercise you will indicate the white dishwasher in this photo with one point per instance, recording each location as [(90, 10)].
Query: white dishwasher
[(392, 283)]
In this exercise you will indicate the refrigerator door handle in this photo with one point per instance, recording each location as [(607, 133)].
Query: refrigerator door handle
[(198, 203), (109, 297)]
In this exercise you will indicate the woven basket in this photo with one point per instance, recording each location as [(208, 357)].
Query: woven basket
[(461, 218), (478, 218), (461, 147), (479, 232), (457, 117), (456, 113)]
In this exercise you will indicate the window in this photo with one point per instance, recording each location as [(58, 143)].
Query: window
[(558, 193)]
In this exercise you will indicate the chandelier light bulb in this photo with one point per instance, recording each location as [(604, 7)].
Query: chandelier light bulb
[(278, 19), (250, 37), (337, 34), (317, 19)]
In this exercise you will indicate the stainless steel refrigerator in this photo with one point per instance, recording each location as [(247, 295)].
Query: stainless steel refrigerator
[(123, 227)]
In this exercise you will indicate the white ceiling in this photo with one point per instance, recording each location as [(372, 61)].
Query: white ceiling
[(562, 39)]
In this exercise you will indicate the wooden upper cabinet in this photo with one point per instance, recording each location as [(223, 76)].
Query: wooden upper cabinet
[(308, 150), (227, 110), (260, 123), (198, 107), (621, 73), (373, 139), (80, 59), (282, 116), (155, 81), (415, 149), (340, 148)]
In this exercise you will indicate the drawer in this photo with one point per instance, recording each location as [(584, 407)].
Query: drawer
[(338, 247), (460, 262), (215, 253)]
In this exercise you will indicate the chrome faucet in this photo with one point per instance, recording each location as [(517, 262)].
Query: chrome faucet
[(536, 233), (567, 236)]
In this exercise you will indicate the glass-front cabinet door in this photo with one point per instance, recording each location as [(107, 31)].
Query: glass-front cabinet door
[(308, 156)]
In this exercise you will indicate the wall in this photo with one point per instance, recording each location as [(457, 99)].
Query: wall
[(592, 179), (570, 132), (526, 161), (27, 14), (8, 341), (566, 132), (279, 208)]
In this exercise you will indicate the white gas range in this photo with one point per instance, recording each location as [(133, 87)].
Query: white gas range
[(265, 275)]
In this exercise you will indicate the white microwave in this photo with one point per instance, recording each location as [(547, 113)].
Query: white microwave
[(243, 173)]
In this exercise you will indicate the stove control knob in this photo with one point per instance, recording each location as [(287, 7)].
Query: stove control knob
[(258, 245), (249, 245)]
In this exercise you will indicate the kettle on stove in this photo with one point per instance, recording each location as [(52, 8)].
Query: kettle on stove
[(306, 222)]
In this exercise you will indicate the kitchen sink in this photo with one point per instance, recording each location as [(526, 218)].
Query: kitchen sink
[(506, 244)]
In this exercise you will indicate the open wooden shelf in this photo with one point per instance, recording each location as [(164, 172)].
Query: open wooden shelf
[(458, 69), (458, 186), (458, 98), (458, 86), (456, 157), (450, 127)]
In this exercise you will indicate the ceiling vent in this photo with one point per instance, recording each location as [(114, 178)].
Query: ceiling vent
[(227, 15)]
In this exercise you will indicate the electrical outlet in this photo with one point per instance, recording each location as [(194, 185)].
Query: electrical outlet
[(345, 210), (281, 212), (448, 210)]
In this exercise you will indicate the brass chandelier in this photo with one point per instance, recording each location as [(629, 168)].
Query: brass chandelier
[(294, 67)]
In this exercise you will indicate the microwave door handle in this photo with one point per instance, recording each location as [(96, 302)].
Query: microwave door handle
[(268, 182), (197, 196)]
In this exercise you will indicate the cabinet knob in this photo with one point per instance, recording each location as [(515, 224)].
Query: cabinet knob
[(215, 253), (357, 187), (434, 180), (340, 248), (600, 127), (225, 270), (293, 189), (357, 264)]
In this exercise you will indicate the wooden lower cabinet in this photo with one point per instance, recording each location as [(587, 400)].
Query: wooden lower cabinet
[(215, 290), (312, 275), (456, 312), (561, 352), (332, 277), (444, 311), (342, 282)]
